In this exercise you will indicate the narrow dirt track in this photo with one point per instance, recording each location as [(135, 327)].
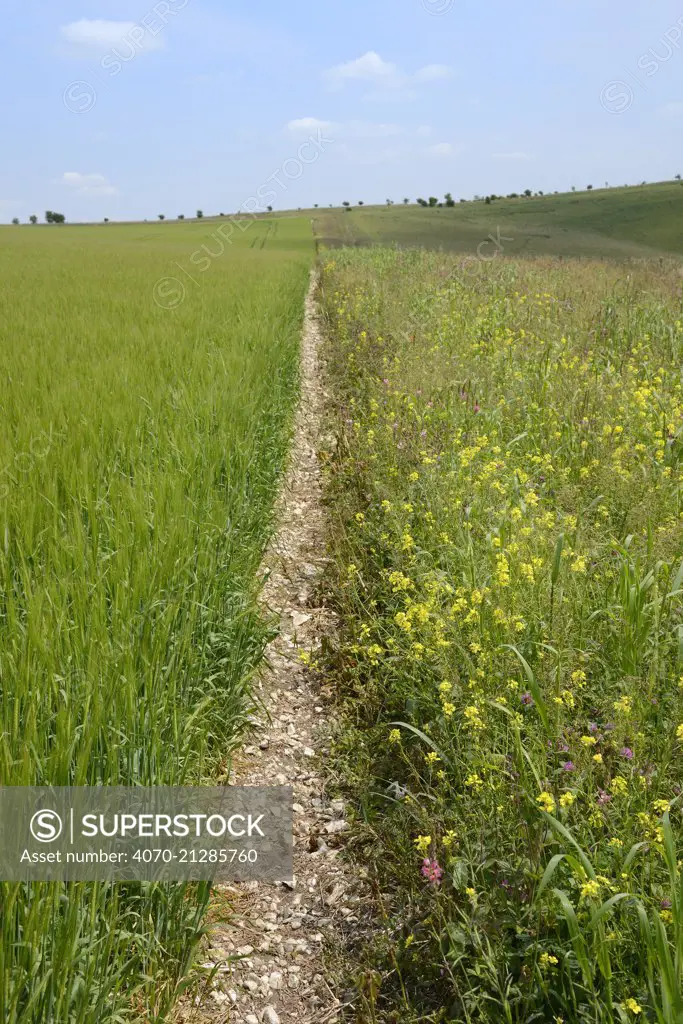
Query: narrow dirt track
[(280, 930)]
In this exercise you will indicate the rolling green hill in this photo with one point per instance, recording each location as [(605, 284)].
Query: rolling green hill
[(619, 223)]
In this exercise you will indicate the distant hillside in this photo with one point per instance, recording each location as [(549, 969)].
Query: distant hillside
[(636, 221)]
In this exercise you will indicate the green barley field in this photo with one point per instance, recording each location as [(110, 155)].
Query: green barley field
[(506, 503), (141, 445)]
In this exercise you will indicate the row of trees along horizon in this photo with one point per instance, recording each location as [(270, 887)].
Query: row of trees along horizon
[(58, 218)]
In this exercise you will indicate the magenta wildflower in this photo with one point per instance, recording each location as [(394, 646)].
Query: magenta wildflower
[(603, 798), (627, 753), (567, 766), (432, 871), (526, 698)]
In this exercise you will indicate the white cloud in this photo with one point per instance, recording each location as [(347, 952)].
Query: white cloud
[(441, 149), (424, 131), (672, 109), (106, 35), (369, 67), (344, 129), (88, 184), (517, 157), (385, 76), (370, 130), (308, 124), (433, 73)]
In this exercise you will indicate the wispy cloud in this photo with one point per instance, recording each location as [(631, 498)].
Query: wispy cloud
[(674, 109), (441, 149), (103, 35), (308, 124), (344, 129), (433, 73), (373, 69), (514, 157), (368, 68), (372, 130), (88, 184)]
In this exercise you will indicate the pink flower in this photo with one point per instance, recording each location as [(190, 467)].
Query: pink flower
[(627, 753), (431, 871)]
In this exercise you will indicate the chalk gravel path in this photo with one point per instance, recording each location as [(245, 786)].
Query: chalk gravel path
[(279, 931)]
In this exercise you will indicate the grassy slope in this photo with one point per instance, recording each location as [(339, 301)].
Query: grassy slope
[(642, 221), (139, 457)]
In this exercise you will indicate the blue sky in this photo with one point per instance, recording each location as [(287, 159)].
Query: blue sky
[(130, 108)]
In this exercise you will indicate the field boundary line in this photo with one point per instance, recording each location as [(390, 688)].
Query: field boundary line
[(281, 930)]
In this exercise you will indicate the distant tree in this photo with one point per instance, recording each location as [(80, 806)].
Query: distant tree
[(15, 220), (315, 205), (527, 193), (361, 203), (433, 201), (390, 202), (589, 187), (346, 203), (678, 177), (422, 202), (162, 216), (573, 188), (450, 201), (181, 216), (348, 209), (406, 201), (539, 193), (33, 219), (200, 214), (488, 200), (270, 209), (221, 215), (463, 200), (106, 220), (54, 218), (607, 184)]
